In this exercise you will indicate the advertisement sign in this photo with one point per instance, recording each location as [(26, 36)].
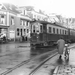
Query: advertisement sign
[(12, 34)]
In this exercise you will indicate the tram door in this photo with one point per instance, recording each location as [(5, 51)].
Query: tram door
[(33, 34)]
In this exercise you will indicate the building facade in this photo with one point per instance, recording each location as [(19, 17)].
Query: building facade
[(12, 23), (30, 12)]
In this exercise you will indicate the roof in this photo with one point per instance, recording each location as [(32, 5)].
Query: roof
[(45, 22), (11, 7)]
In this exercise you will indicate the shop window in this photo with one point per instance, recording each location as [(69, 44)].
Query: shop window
[(2, 19), (21, 32)]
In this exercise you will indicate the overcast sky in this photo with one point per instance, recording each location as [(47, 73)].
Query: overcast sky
[(66, 8)]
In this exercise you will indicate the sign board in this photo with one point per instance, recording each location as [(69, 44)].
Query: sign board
[(12, 34)]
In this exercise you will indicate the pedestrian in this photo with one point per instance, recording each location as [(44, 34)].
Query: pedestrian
[(60, 45), (4, 38)]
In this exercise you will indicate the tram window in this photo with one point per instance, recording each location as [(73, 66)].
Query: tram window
[(49, 29), (53, 30), (41, 29), (65, 31), (33, 29), (60, 31), (57, 31), (24, 31)]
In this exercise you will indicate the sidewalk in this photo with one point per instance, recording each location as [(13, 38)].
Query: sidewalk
[(67, 68), (59, 67)]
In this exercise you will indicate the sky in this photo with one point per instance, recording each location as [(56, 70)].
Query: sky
[(66, 8)]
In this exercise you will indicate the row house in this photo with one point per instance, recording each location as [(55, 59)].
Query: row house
[(12, 24), (23, 26), (29, 11)]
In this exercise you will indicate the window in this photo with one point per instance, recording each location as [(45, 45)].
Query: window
[(24, 31), (57, 31), (41, 29), (18, 31), (27, 23), (53, 30), (2, 19), (21, 22), (60, 31), (12, 20), (34, 16), (65, 31), (21, 32), (24, 12), (27, 30), (24, 23), (49, 29), (33, 28)]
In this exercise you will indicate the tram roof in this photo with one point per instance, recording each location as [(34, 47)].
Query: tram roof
[(45, 22)]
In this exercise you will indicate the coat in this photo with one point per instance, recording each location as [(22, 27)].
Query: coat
[(61, 45)]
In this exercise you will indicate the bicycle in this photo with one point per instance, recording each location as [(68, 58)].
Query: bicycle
[(67, 51)]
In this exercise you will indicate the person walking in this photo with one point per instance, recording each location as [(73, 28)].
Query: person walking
[(60, 45)]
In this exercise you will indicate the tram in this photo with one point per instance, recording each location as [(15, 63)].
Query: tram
[(45, 34)]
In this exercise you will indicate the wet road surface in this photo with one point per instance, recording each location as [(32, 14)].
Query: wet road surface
[(14, 54)]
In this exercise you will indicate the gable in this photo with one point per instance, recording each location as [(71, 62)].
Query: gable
[(2, 7)]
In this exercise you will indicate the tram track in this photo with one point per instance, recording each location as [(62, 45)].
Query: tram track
[(25, 62), (36, 69)]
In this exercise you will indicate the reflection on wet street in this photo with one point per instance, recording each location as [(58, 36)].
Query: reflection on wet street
[(13, 54), (38, 51)]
